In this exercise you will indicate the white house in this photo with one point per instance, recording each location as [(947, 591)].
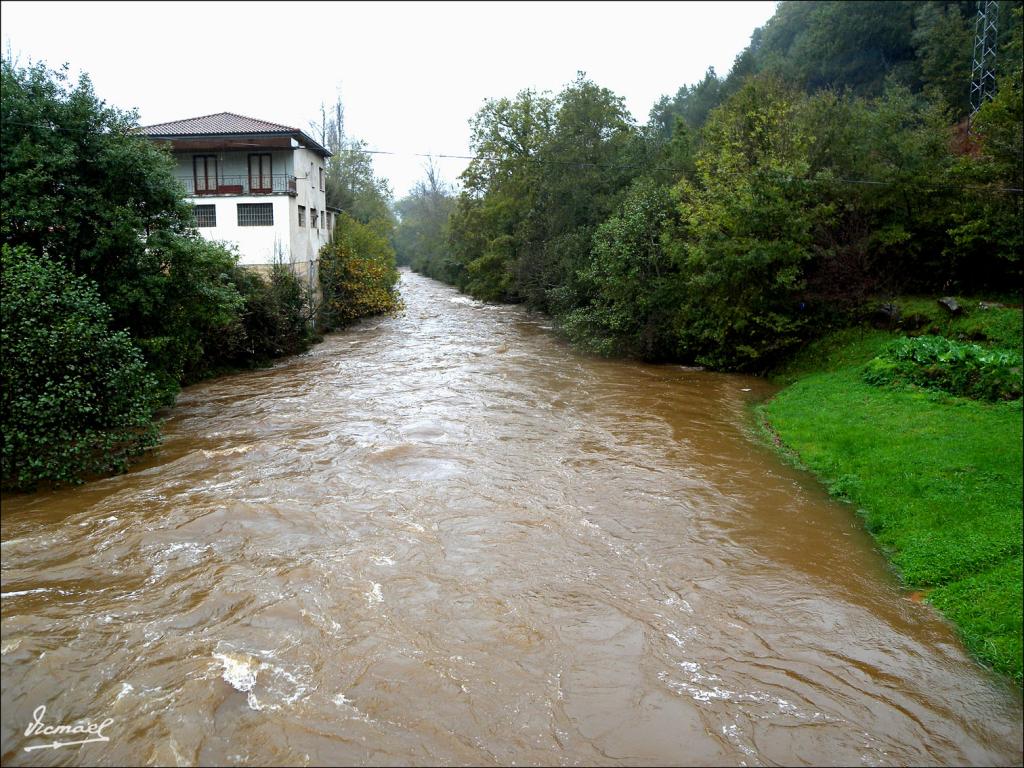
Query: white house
[(256, 184)]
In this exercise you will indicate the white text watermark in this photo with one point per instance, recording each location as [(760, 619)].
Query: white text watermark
[(91, 731)]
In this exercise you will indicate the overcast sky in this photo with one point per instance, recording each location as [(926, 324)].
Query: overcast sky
[(409, 74)]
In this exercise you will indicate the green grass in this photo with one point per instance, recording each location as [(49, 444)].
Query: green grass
[(937, 478)]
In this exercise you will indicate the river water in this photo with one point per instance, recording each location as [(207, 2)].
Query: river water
[(443, 537)]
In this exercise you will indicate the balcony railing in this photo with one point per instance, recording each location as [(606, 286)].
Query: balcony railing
[(278, 184)]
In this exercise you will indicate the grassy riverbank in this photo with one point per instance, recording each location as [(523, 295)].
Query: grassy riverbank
[(937, 478)]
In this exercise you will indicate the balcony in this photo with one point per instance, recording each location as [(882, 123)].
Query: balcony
[(278, 184)]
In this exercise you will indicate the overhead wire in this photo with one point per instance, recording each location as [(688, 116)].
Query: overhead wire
[(587, 164)]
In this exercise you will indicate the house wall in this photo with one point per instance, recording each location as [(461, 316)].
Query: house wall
[(256, 245), (285, 239), (306, 241)]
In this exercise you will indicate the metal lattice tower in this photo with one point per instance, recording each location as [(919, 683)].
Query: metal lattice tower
[(983, 70)]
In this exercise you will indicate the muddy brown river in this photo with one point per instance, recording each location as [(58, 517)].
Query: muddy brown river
[(445, 538)]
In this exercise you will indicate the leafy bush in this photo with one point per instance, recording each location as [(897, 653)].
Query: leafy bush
[(76, 397), (357, 274), (276, 317), (981, 320), (958, 368), (634, 287), (79, 182), (746, 233), (274, 320)]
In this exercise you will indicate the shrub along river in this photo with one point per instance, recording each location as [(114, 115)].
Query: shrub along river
[(444, 537)]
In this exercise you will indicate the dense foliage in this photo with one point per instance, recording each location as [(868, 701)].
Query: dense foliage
[(752, 213), (357, 274), (358, 277), (80, 188), (275, 319), (632, 280), (956, 367), (856, 48), (75, 395)]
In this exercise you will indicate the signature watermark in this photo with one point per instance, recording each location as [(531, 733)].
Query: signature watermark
[(91, 731)]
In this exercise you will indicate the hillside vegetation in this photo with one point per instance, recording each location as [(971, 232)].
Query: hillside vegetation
[(751, 213)]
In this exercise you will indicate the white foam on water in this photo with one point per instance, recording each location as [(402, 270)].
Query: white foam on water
[(677, 640), (718, 693), (190, 550), (227, 451), (733, 734), (5, 595), (179, 545), (240, 673), (342, 701), (375, 595), (680, 602), (299, 689)]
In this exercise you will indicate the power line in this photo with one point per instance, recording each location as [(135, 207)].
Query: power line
[(621, 166), (585, 164)]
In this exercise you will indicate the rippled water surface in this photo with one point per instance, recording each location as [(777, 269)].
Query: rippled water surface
[(445, 538)]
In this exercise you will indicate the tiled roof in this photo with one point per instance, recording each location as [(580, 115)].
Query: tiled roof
[(219, 124), (227, 124)]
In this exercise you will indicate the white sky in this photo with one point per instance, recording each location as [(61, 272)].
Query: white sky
[(409, 74)]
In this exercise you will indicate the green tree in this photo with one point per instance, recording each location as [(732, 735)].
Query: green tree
[(821, 173), (594, 152), (840, 45), (943, 40), (357, 274), (986, 226), (745, 232), (80, 187), (493, 213), (633, 285), (547, 172), (351, 183), (422, 233), (76, 398), (276, 319), (691, 104), (354, 187)]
